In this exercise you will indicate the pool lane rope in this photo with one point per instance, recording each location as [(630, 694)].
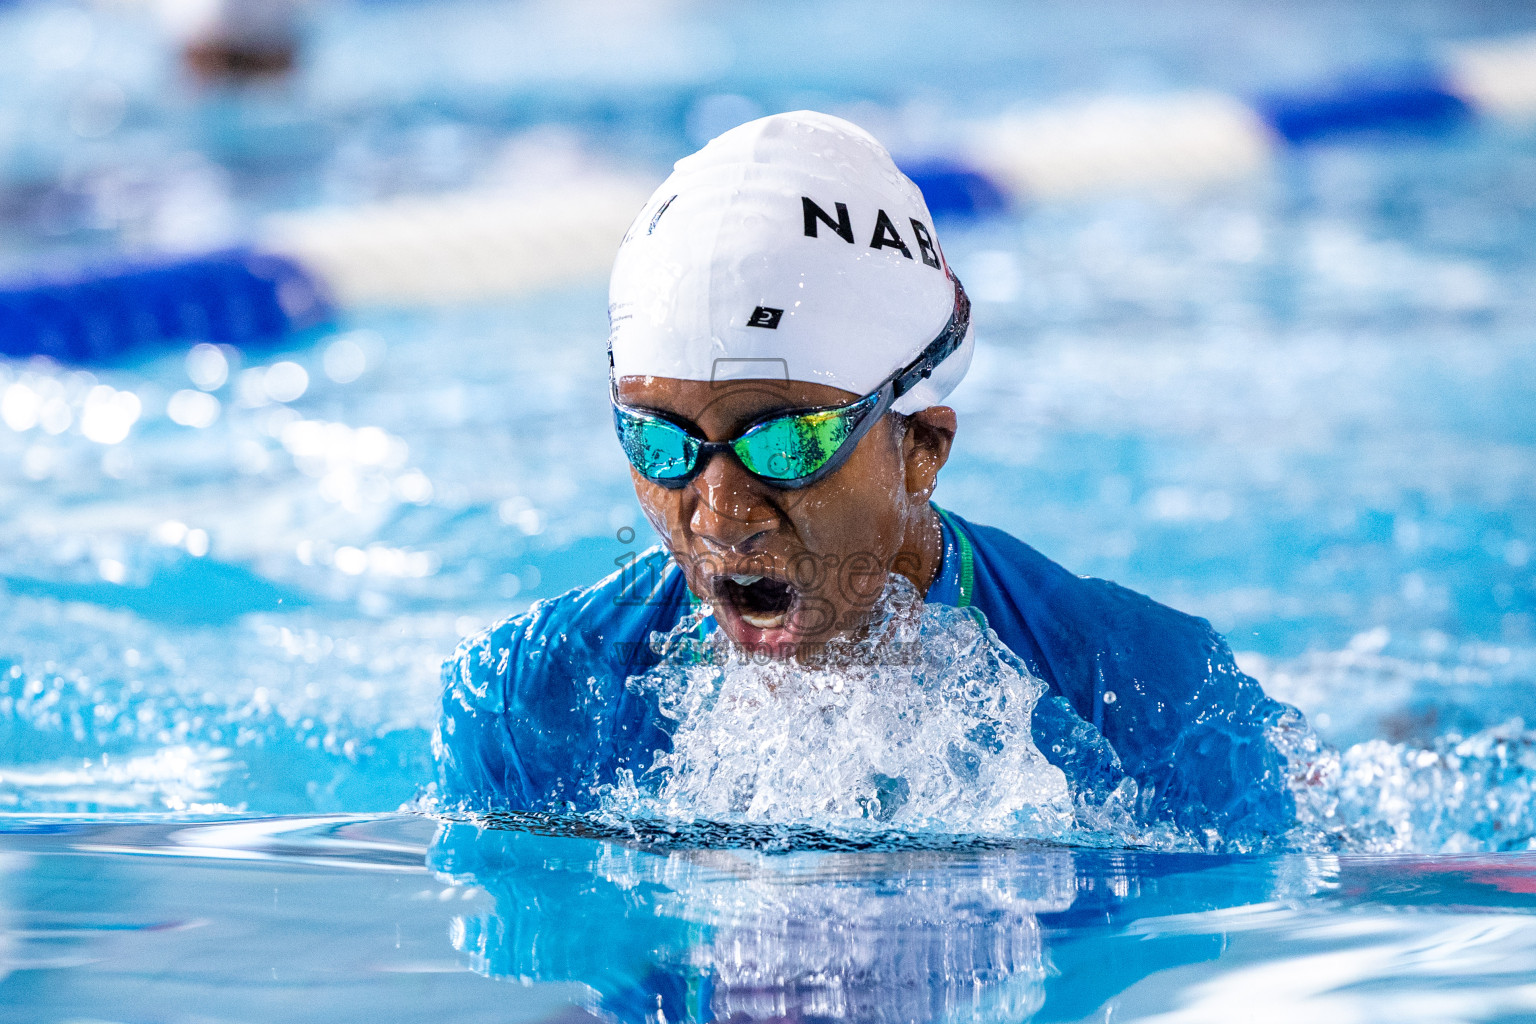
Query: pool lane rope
[(304, 266)]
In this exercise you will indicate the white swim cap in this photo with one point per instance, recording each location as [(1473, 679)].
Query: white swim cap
[(791, 247)]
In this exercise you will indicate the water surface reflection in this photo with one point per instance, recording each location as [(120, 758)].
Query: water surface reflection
[(331, 920), (871, 936)]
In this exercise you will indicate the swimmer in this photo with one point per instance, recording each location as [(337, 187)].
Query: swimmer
[(238, 42), (784, 329)]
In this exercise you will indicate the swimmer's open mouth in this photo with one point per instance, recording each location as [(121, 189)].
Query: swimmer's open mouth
[(759, 601)]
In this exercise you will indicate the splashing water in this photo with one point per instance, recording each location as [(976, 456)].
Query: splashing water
[(922, 724), (1457, 795)]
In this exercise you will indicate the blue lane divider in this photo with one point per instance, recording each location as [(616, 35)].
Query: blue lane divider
[(1363, 105), (248, 297), (1414, 103), (238, 297), (954, 190)]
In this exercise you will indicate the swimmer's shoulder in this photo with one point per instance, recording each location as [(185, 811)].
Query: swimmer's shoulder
[(1005, 563), (1080, 632), (1088, 635), (595, 631)]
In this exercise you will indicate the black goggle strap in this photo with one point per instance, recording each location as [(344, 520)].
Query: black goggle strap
[(939, 349)]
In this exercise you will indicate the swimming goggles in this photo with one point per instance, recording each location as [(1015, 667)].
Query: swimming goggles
[(789, 449)]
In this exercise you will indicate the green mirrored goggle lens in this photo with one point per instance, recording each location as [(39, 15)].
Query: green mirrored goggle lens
[(784, 449), (658, 449), (793, 447)]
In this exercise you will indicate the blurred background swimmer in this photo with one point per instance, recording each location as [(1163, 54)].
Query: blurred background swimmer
[(237, 41), (783, 329)]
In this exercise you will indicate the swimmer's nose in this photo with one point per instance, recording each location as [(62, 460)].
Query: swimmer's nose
[(730, 512)]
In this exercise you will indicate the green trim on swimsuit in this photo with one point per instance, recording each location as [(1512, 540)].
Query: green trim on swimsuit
[(967, 558)]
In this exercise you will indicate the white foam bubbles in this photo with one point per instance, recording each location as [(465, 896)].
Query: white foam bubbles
[(923, 725)]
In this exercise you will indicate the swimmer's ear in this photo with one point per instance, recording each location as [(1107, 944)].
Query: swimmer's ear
[(925, 446)]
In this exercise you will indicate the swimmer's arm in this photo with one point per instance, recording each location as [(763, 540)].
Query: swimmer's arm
[(1220, 770), (528, 711), (478, 765), (1187, 723)]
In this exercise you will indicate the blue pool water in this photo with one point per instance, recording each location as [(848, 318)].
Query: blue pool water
[(425, 921), (1298, 405)]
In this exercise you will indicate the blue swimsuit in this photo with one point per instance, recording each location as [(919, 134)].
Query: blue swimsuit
[(536, 712)]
